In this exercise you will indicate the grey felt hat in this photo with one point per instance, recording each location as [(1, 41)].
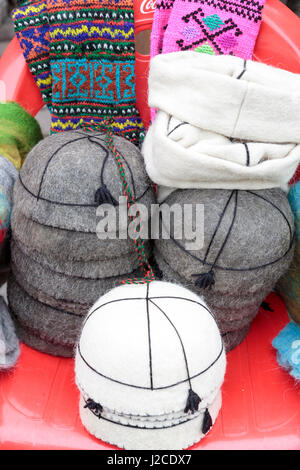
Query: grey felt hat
[(44, 322), (67, 245), (58, 286), (248, 245), (59, 265), (234, 322), (52, 326), (68, 175), (32, 340), (122, 263)]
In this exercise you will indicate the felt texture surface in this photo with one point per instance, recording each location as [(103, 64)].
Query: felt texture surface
[(232, 339), (9, 343), (122, 264), (8, 175), (161, 321), (63, 173), (28, 337), (149, 421), (177, 437), (287, 345), (232, 312), (251, 249), (180, 155), (60, 286), (78, 308), (289, 285), (19, 132), (224, 123), (57, 327), (251, 101), (65, 246)]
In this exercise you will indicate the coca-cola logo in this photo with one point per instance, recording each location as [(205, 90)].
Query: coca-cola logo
[(148, 6)]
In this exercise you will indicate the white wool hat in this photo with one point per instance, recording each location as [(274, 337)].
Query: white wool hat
[(222, 123), (150, 363)]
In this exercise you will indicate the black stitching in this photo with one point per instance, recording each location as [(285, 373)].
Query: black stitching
[(188, 379), (179, 337), (243, 71), (149, 338), (247, 153), (144, 428), (176, 127)]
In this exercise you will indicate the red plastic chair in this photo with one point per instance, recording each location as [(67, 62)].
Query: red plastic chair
[(261, 402)]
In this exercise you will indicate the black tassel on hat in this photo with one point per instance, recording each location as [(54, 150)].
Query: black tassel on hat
[(103, 196), (193, 402), (266, 306), (207, 422), (205, 280), (96, 408)]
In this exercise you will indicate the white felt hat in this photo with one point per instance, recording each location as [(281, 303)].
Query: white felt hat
[(150, 363), (222, 123)]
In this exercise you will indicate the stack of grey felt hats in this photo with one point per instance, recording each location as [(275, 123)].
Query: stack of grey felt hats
[(60, 262), (248, 245)]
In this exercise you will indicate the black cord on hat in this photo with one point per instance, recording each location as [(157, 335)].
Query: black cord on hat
[(207, 280)]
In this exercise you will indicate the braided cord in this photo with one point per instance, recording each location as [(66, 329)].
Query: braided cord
[(139, 242)]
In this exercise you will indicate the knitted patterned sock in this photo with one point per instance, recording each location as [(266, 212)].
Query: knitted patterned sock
[(86, 49), (92, 55), (160, 23), (19, 132), (214, 26), (32, 31)]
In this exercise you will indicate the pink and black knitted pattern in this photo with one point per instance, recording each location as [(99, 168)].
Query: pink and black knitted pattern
[(211, 26)]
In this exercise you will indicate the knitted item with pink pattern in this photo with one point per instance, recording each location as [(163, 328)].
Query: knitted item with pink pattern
[(160, 23), (211, 26)]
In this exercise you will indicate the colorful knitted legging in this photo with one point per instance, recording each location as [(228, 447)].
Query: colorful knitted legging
[(82, 56), (211, 26)]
